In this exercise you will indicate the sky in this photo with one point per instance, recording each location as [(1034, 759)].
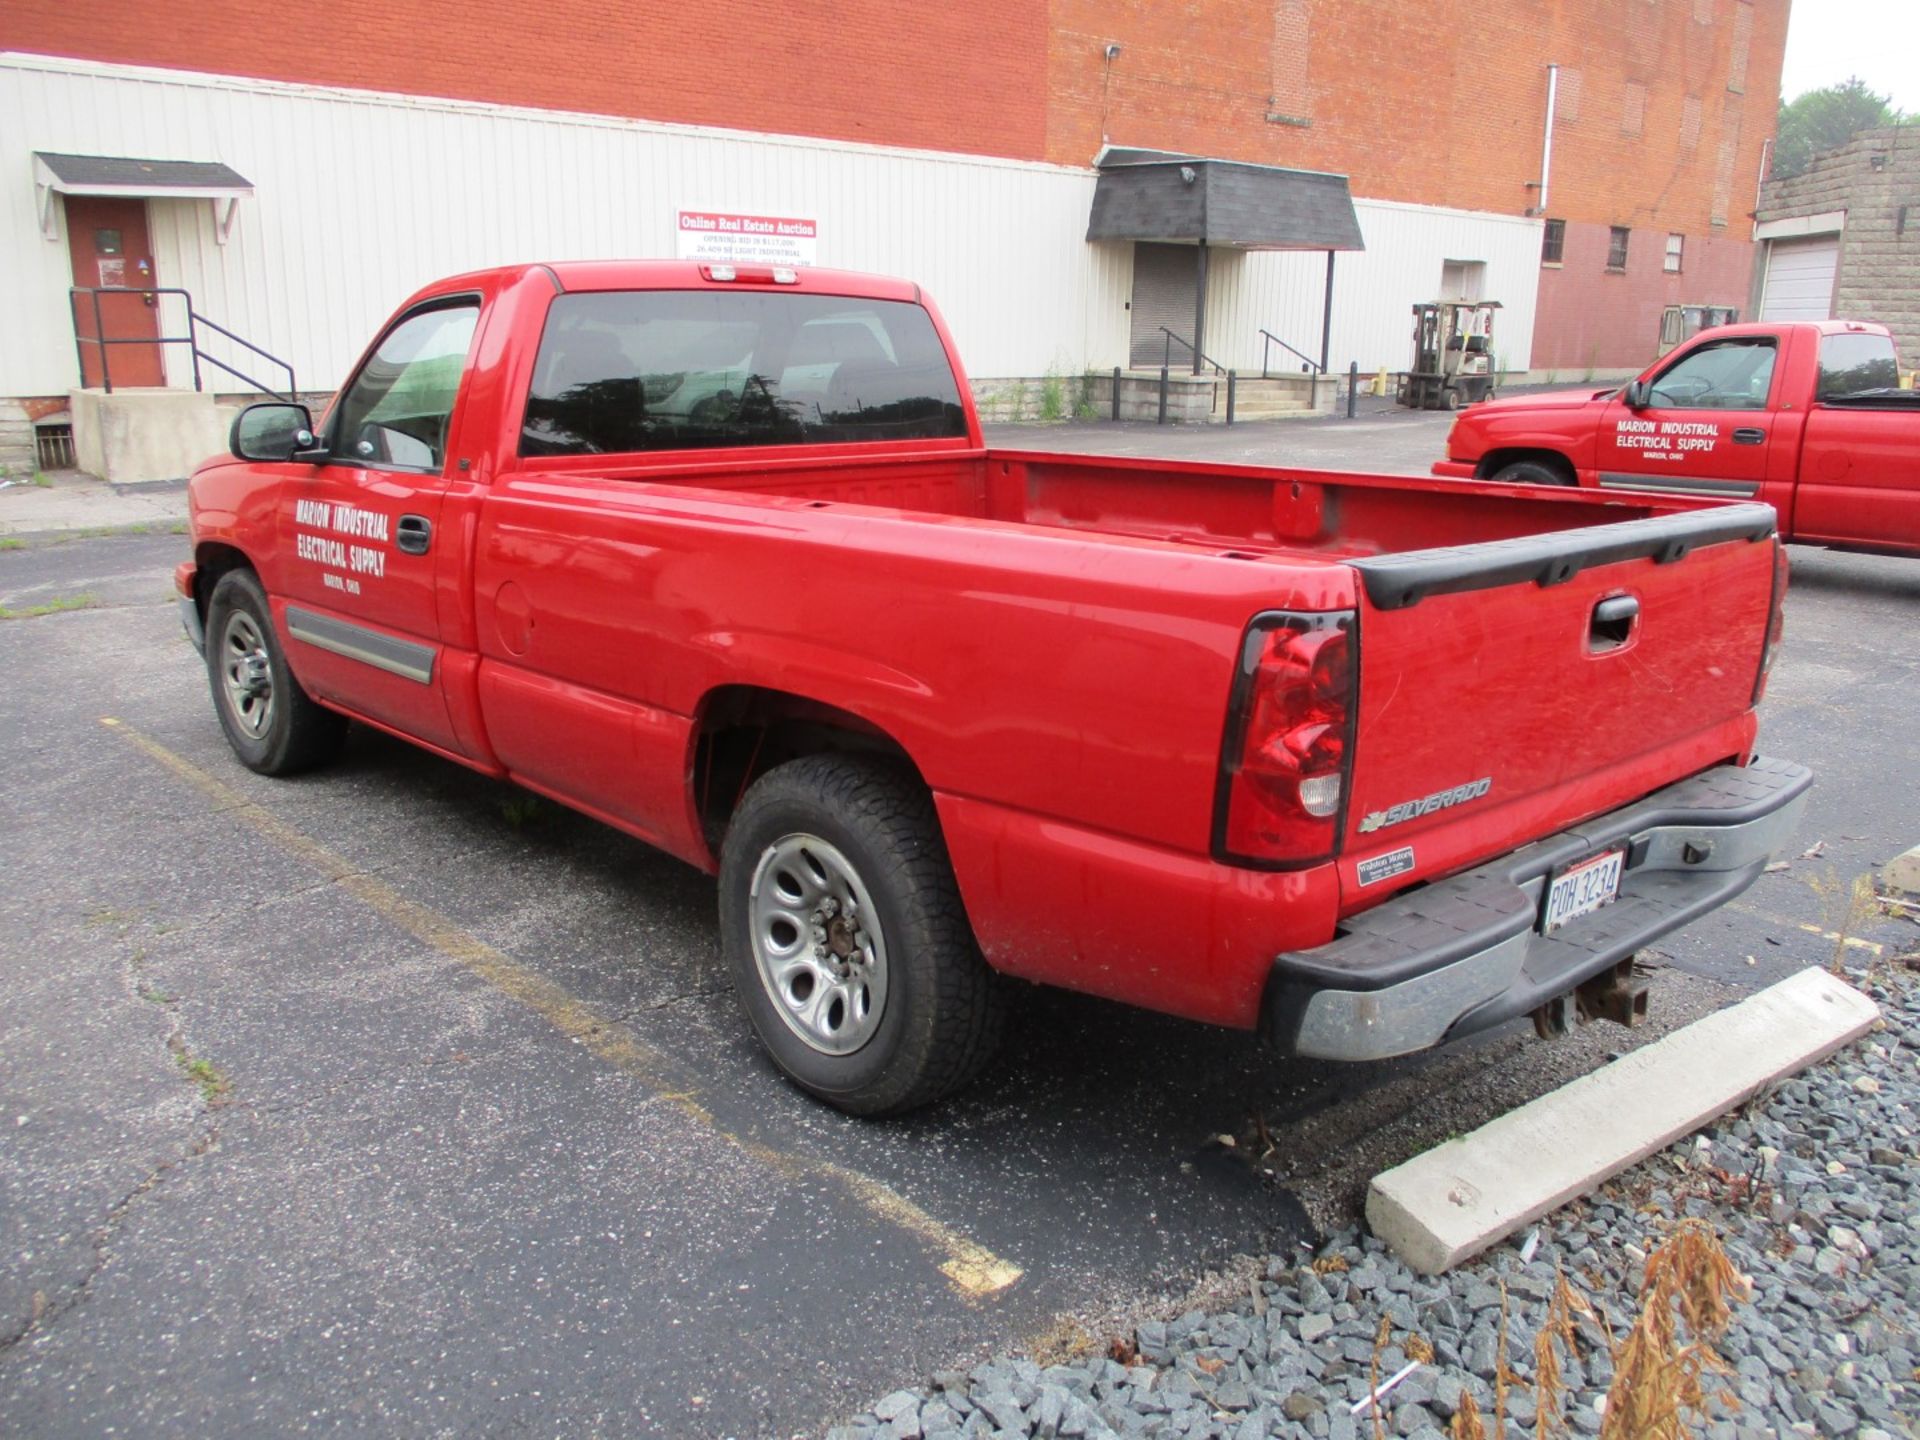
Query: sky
[(1878, 40)]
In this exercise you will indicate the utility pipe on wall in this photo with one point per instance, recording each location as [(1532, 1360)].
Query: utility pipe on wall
[(1546, 143)]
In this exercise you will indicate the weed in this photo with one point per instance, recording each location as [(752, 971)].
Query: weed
[(1083, 405), (179, 527), (1053, 397), (520, 811), (83, 601), (1017, 403), (1667, 1368), (1062, 1343), (1466, 1420), (42, 481), (10, 542), (204, 1073)]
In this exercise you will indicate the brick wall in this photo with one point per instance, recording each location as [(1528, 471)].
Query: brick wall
[(943, 77), (1661, 101), (1592, 320), (1872, 179)]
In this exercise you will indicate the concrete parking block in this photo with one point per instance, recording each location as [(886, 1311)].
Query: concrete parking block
[(1903, 872), (1461, 1197)]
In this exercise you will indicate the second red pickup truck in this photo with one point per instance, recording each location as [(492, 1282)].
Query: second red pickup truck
[(1806, 417), (718, 555)]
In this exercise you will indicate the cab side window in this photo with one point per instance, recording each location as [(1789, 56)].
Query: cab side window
[(1857, 365), (395, 413), (1728, 375)]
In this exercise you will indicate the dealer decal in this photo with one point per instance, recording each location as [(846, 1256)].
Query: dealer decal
[(1666, 439), (324, 549), (1385, 867), (1426, 805)]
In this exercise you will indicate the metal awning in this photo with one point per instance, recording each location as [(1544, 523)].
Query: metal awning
[(1158, 195), (57, 174)]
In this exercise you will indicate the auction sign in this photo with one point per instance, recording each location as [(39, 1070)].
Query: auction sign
[(747, 239)]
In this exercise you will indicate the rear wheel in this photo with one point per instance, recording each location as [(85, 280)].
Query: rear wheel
[(273, 725), (848, 942), (1533, 472)]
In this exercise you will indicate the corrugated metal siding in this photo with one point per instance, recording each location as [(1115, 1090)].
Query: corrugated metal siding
[(361, 198), (1374, 291)]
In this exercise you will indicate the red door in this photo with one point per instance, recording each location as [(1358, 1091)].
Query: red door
[(108, 240), (1705, 427)]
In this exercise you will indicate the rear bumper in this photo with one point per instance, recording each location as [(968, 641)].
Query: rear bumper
[(1466, 953), (1455, 469)]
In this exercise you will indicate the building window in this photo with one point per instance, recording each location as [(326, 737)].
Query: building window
[(1675, 244), (1617, 247), (1553, 241)]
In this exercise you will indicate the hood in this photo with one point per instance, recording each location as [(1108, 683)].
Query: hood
[(1552, 400)]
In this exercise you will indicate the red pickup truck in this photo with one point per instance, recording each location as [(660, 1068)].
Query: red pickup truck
[(1807, 417), (717, 555)]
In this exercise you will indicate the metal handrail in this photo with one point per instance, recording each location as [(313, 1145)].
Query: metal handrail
[(191, 339), (1269, 340), (1166, 358)]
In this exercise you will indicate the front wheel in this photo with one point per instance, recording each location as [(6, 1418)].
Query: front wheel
[(274, 726), (1532, 472), (848, 942)]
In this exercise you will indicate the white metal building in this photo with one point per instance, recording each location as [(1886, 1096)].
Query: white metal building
[(358, 197)]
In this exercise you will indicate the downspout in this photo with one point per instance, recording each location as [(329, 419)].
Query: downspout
[(1546, 143)]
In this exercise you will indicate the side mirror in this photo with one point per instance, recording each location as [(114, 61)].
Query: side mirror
[(1637, 394), (273, 432)]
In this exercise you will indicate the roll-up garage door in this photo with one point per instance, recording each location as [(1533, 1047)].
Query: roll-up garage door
[(1164, 277), (1800, 278)]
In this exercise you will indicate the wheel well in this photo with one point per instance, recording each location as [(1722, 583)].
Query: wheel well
[(1497, 460), (210, 562), (743, 731)]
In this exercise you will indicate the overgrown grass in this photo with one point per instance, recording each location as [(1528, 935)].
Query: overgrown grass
[(83, 601)]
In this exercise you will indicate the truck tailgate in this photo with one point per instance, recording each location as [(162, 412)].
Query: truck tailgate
[(1512, 689)]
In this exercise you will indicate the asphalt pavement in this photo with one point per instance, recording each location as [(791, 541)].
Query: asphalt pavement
[(387, 1099)]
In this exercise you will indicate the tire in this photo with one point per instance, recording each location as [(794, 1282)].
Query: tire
[(836, 891), (1532, 472), (1449, 398), (274, 727)]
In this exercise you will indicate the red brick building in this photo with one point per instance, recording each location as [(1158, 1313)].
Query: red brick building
[(954, 143)]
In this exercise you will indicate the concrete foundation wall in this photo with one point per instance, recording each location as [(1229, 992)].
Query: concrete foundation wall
[(135, 435)]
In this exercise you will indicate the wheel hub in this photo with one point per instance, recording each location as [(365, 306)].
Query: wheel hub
[(822, 963)]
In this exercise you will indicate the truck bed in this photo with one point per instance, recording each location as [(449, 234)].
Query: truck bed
[(1242, 511)]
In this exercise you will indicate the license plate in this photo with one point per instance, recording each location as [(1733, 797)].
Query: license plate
[(1582, 889)]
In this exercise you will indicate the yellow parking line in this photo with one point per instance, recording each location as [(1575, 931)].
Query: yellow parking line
[(971, 1269)]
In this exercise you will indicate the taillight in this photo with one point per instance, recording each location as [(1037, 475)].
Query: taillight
[(1776, 621), (750, 274), (1289, 742)]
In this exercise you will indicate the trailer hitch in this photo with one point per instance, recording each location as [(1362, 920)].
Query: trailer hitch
[(1616, 995)]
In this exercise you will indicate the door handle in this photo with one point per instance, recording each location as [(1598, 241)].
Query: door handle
[(1749, 435), (416, 534), (1612, 623)]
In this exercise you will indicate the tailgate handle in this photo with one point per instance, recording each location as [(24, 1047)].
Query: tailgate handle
[(1612, 622), (1749, 435), (416, 534)]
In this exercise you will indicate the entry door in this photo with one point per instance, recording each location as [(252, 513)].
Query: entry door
[(107, 239), (1706, 427), (360, 532), (1165, 279)]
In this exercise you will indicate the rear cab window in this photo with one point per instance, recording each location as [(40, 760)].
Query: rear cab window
[(626, 371), (1857, 366)]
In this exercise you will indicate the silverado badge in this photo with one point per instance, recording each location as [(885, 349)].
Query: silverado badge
[(1439, 800)]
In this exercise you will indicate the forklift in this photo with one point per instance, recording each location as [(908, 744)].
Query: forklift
[(1452, 355), (1680, 323)]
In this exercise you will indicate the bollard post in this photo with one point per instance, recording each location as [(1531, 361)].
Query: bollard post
[(1116, 392), (1232, 380), (1353, 385), (1163, 396)]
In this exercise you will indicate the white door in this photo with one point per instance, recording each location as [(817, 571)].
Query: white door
[(1800, 278)]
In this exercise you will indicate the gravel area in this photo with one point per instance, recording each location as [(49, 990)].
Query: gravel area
[(1813, 1190)]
